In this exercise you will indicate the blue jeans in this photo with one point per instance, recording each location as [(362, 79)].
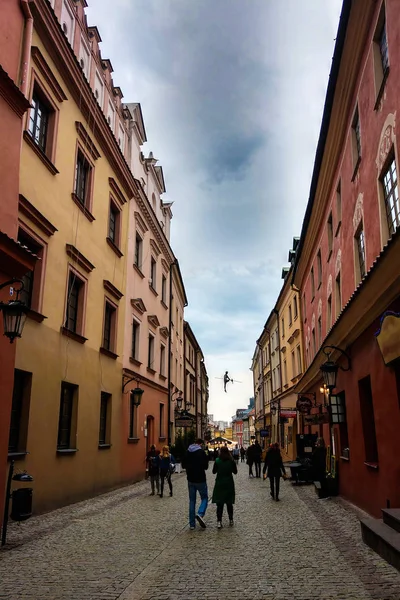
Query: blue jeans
[(203, 491)]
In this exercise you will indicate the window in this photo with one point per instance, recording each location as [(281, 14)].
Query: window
[(285, 381), (312, 284), (330, 235), (360, 253), (162, 421), (391, 196), (381, 56), (39, 121), (319, 266), (296, 313), (299, 365), (153, 274), (290, 315), (121, 138), (293, 364), (135, 340), (32, 279), (283, 328), (110, 314), (111, 115), (150, 354), (67, 414), (138, 251), (164, 289), (19, 411), (319, 331), (105, 413), (132, 418), (67, 21), (368, 420), (338, 205), (314, 342), (83, 173), (84, 58), (99, 89), (75, 303), (338, 294), (162, 360), (356, 141), (329, 320), (114, 224)]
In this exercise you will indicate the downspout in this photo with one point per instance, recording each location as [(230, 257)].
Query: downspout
[(169, 351), (26, 47)]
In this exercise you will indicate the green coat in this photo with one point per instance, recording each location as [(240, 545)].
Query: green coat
[(224, 488)]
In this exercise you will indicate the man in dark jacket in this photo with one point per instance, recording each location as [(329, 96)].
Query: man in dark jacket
[(257, 457), (274, 464), (196, 463)]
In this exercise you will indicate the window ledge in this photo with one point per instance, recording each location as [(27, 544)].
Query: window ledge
[(162, 438), (67, 450), (381, 88), (329, 255), (163, 304), (104, 446), (17, 455), (74, 336), (138, 270), (162, 377), (133, 440), (372, 465), (338, 227), (45, 160), (345, 458), (35, 316), (108, 353), (150, 370), (83, 208), (356, 168), (114, 247), (134, 361), (153, 290)]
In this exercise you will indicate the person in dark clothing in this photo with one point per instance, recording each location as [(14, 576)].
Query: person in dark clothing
[(224, 488), (257, 458), (166, 463), (195, 462), (273, 466), (318, 460), (153, 468), (242, 453), (250, 459)]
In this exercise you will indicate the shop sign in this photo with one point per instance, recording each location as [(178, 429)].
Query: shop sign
[(288, 414), (264, 433), (388, 337), (184, 422), (318, 419), (304, 404)]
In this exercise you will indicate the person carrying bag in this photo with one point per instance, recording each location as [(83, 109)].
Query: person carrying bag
[(273, 469), (167, 467)]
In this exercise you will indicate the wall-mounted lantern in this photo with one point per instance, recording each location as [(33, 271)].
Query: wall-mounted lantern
[(14, 312)]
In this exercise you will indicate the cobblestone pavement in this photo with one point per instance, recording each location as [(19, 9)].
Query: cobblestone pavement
[(131, 546)]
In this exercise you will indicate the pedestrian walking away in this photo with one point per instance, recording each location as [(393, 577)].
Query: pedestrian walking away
[(167, 467), (153, 467), (273, 468), (224, 488), (242, 454), (250, 459), (257, 457), (196, 463), (236, 453)]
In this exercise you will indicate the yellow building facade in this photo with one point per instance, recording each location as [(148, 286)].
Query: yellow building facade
[(75, 186)]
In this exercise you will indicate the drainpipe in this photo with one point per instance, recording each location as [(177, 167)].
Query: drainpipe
[(26, 47), (169, 350)]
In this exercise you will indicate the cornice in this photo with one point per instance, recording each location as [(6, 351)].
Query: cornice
[(39, 60), (140, 222), (117, 191), (85, 139), (27, 209), (111, 289), (155, 248), (53, 38), (139, 305), (164, 331), (153, 320), (154, 225), (80, 260)]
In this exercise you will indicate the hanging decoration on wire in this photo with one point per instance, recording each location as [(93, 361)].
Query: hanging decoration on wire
[(226, 379)]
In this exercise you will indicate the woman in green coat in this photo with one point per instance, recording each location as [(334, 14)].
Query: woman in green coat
[(224, 488)]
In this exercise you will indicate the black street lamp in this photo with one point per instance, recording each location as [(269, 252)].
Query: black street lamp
[(136, 395), (273, 410), (14, 312), (330, 369)]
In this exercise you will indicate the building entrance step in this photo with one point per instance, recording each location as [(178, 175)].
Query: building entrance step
[(383, 539), (391, 517)]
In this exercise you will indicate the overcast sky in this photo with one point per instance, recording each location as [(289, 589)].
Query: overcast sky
[(232, 94)]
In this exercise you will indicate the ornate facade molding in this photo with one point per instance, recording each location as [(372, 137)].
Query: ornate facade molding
[(141, 225), (47, 74), (80, 260), (111, 289), (27, 209), (139, 305), (338, 264), (329, 287), (358, 212), (153, 320), (319, 308), (386, 142), (87, 142)]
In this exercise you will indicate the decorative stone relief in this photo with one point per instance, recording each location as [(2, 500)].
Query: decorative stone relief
[(309, 334), (338, 264), (358, 212), (386, 141), (329, 287), (319, 308), (313, 322)]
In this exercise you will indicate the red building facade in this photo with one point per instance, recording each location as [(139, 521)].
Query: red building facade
[(14, 260), (348, 263)]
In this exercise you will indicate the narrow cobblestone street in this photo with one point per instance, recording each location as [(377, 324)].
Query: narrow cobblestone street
[(131, 546)]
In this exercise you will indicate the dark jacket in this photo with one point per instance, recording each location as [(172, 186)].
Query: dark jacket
[(164, 462), (257, 450), (224, 488), (153, 462), (195, 462), (273, 462)]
